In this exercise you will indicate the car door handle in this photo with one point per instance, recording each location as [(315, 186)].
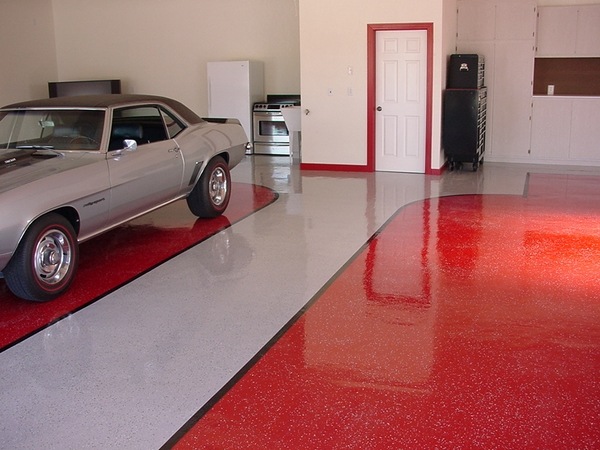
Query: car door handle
[(174, 149)]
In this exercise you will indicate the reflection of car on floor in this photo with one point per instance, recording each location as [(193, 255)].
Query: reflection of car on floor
[(74, 167)]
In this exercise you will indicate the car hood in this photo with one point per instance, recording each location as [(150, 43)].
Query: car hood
[(20, 167)]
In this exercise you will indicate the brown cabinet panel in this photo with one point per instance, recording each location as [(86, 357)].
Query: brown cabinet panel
[(570, 76)]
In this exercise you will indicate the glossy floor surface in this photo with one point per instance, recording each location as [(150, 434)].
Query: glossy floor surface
[(355, 311), (128, 252)]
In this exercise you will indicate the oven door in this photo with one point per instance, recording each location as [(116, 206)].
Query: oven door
[(269, 128)]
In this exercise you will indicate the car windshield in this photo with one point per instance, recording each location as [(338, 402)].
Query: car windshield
[(52, 129)]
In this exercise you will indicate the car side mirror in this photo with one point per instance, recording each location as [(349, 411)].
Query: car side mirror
[(130, 145)]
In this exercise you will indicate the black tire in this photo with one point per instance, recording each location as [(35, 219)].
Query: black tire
[(210, 196), (45, 262)]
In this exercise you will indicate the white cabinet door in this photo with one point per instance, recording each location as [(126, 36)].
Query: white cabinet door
[(515, 20), (565, 130), (550, 128), (588, 31), (568, 30), (556, 30), (585, 133), (476, 20), (512, 100)]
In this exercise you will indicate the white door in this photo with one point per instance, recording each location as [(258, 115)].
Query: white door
[(401, 100)]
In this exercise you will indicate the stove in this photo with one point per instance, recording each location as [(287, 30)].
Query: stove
[(271, 136)]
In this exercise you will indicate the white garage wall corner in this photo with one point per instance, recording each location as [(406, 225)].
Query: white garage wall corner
[(27, 46), (162, 47)]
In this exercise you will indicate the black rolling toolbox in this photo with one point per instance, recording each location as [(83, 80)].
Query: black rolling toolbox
[(464, 126), (464, 113)]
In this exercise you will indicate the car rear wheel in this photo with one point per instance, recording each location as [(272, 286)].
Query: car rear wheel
[(45, 261), (210, 196)]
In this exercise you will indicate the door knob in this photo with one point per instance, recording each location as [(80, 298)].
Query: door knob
[(379, 108)]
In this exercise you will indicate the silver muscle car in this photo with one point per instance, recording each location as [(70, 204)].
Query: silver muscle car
[(74, 167)]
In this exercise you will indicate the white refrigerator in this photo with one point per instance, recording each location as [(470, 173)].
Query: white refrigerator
[(233, 88)]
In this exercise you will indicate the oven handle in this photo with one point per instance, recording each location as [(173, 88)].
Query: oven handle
[(268, 113)]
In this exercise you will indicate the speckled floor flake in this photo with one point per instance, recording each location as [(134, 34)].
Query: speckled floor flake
[(325, 310), (468, 322)]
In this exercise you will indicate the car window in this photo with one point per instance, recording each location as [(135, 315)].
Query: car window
[(57, 129), (174, 125), (144, 124)]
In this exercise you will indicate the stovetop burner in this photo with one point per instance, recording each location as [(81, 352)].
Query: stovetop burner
[(272, 106)]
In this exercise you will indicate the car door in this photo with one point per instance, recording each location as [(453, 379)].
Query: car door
[(147, 176)]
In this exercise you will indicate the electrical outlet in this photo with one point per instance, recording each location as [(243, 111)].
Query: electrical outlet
[(550, 89)]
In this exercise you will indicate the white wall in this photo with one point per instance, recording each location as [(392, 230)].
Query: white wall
[(27, 49), (332, 38), (161, 47)]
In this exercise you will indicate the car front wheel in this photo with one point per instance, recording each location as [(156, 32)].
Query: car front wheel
[(45, 261), (210, 196)]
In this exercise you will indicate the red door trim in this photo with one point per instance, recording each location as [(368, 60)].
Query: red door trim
[(371, 86)]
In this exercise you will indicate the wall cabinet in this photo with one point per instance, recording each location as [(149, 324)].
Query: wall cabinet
[(523, 128), (565, 130), (568, 31)]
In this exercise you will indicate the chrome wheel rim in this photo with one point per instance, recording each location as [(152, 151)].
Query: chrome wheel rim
[(218, 186), (52, 257)]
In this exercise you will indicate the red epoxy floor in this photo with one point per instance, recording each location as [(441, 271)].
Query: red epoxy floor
[(123, 254), (468, 322)]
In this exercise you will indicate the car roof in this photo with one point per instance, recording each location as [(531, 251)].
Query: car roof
[(108, 101)]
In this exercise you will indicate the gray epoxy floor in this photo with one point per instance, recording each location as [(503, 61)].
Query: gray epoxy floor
[(128, 371)]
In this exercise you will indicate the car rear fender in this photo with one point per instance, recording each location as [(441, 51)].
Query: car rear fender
[(199, 169)]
